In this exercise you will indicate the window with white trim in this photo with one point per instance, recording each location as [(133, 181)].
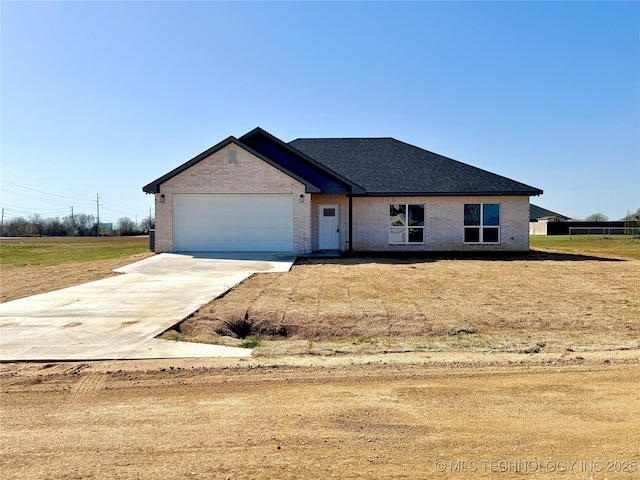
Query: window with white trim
[(406, 223), (481, 223)]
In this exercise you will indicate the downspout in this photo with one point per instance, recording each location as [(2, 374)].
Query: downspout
[(350, 223)]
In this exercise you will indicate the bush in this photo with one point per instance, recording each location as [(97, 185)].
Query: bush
[(251, 342)]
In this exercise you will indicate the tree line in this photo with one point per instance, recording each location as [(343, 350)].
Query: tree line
[(600, 217), (78, 225)]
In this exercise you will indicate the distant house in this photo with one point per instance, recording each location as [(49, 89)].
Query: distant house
[(539, 214), (258, 193), (539, 219)]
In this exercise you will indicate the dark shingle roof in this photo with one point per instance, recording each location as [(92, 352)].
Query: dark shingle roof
[(536, 212), (384, 166), (364, 166)]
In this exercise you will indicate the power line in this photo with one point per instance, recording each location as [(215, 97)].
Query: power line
[(42, 199), (62, 205), (28, 211), (41, 191), (114, 205), (123, 209)]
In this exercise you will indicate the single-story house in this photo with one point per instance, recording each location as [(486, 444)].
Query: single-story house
[(539, 214), (539, 219), (259, 193)]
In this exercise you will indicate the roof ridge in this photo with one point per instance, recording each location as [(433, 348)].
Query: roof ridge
[(344, 138)]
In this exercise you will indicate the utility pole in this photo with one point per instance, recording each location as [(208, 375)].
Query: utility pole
[(2, 224), (98, 212), (73, 232)]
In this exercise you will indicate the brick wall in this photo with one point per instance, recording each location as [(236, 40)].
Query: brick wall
[(444, 223), (249, 174)]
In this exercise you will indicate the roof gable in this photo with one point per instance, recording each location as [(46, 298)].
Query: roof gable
[(386, 166), (284, 154), (154, 187)]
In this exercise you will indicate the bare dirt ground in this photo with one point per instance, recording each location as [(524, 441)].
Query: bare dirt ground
[(414, 415), (26, 280), (507, 369), (527, 303)]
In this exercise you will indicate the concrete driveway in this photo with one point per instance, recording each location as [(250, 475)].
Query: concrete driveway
[(118, 317)]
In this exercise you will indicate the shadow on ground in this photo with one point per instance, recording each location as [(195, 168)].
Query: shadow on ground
[(401, 258)]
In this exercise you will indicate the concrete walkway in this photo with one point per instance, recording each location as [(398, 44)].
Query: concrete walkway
[(118, 317)]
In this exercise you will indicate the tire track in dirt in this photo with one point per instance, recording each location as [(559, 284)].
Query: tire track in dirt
[(91, 383), (35, 373), (7, 381), (64, 368)]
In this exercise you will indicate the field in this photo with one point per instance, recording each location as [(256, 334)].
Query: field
[(522, 367), (38, 265), (60, 250), (617, 245)]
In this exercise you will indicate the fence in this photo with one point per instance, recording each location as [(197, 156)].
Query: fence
[(594, 228), (605, 232)]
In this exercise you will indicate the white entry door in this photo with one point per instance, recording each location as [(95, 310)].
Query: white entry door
[(329, 227)]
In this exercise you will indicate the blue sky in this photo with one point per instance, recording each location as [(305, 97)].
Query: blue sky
[(104, 97)]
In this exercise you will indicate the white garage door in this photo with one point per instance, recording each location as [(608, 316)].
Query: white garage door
[(232, 223)]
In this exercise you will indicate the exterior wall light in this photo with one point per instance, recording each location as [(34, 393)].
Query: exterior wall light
[(301, 198), (162, 198)]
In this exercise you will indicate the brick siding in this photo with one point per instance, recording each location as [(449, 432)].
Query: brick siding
[(249, 174), (444, 222)]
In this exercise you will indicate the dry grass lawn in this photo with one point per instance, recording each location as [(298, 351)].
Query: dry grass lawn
[(621, 246), (30, 266), (542, 301), (24, 281)]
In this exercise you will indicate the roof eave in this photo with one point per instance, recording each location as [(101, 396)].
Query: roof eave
[(527, 193), (154, 187)]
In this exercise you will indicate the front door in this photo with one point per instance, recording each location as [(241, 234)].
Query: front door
[(329, 227)]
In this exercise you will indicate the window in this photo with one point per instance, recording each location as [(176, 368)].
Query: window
[(406, 223), (481, 223)]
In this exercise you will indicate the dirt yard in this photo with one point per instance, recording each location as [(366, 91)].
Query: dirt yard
[(26, 280), (417, 415), (520, 368), (33, 265), (537, 302)]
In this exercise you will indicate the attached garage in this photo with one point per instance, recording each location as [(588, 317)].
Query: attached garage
[(233, 222)]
